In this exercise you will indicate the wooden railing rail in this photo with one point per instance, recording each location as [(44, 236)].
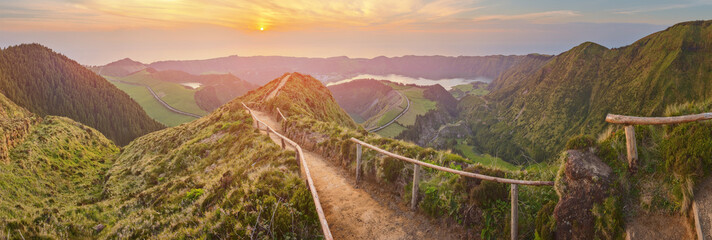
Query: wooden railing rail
[(416, 179), (629, 121), (305, 169), (281, 115), (632, 148)]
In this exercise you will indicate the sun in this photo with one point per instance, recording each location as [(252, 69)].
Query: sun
[(262, 28)]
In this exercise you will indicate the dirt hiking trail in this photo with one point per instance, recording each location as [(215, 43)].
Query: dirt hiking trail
[(352, 213), (276, 90), (703, 200)]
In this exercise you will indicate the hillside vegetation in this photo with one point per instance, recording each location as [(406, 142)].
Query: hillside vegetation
[(673, 160), (367, 100), (216, 89), (48, 83), (533, 109), (481, 206), (215, 177), (174, 94), (301, 95)]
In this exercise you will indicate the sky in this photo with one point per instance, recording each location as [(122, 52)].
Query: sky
[(96, 32)]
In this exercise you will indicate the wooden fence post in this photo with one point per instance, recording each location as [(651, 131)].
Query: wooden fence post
[(416, 181), (297, 157), (358, 163), (282, 143), (515, 212), (631, 147)]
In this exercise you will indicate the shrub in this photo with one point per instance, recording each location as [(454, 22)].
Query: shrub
[(193, 194), (545, 222), (581, 142)]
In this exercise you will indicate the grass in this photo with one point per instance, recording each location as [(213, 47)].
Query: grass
[(176, 95), (485, 159), (419, 105), (391, 131), (213, 178), (388, 116), (462, 90), (153, 108), (52, 177), (443, 195)]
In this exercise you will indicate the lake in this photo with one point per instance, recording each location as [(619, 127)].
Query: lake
[(192, 85), (447, 83)]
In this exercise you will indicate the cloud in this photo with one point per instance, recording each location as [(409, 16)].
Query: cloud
[(530, 16), (240, 14), (662, 7)]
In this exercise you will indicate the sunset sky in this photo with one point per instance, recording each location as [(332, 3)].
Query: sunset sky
[(97, 32)]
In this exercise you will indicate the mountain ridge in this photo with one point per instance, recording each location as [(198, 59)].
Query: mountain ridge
[(48, 83), (537, 107)]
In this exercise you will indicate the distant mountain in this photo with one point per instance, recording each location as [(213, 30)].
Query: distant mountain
[(261, 69), (120, 68), (302, 96), (48, 83), (535, 107)]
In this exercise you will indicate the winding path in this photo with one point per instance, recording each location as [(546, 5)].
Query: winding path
[(703, 208), (279, 87), (353, 213), (172, 109), (396, 118)]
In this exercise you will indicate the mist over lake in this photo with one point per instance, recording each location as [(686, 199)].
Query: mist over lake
[(446, 83)]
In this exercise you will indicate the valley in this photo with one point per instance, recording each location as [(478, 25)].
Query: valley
[(411, 147)]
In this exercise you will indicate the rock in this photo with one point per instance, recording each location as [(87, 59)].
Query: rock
[(99, 227), (585, 181)]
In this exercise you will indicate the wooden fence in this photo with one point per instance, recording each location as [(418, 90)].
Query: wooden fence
[(416, 179), (302, 165), (632, 148), (629, 121)]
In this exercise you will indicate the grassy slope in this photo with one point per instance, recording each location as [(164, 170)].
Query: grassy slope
[(673, 159), (211, 178), (478, 205), (176, 95), (48, 83), (419, 105), (153, 108), (462, 90), (485, 159), (302, 95), (52, 177), (392, 130), (531, 115)]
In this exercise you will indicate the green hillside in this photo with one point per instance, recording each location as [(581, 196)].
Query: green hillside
[(475, 88), (369, 102), (532, 110), (475, 204), (215, 90), (153, 108), (302, 95), (48, 83), (215, 177), (174, 94), (51, 168)]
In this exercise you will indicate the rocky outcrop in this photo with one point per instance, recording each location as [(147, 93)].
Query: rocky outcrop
[(583, 181)]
